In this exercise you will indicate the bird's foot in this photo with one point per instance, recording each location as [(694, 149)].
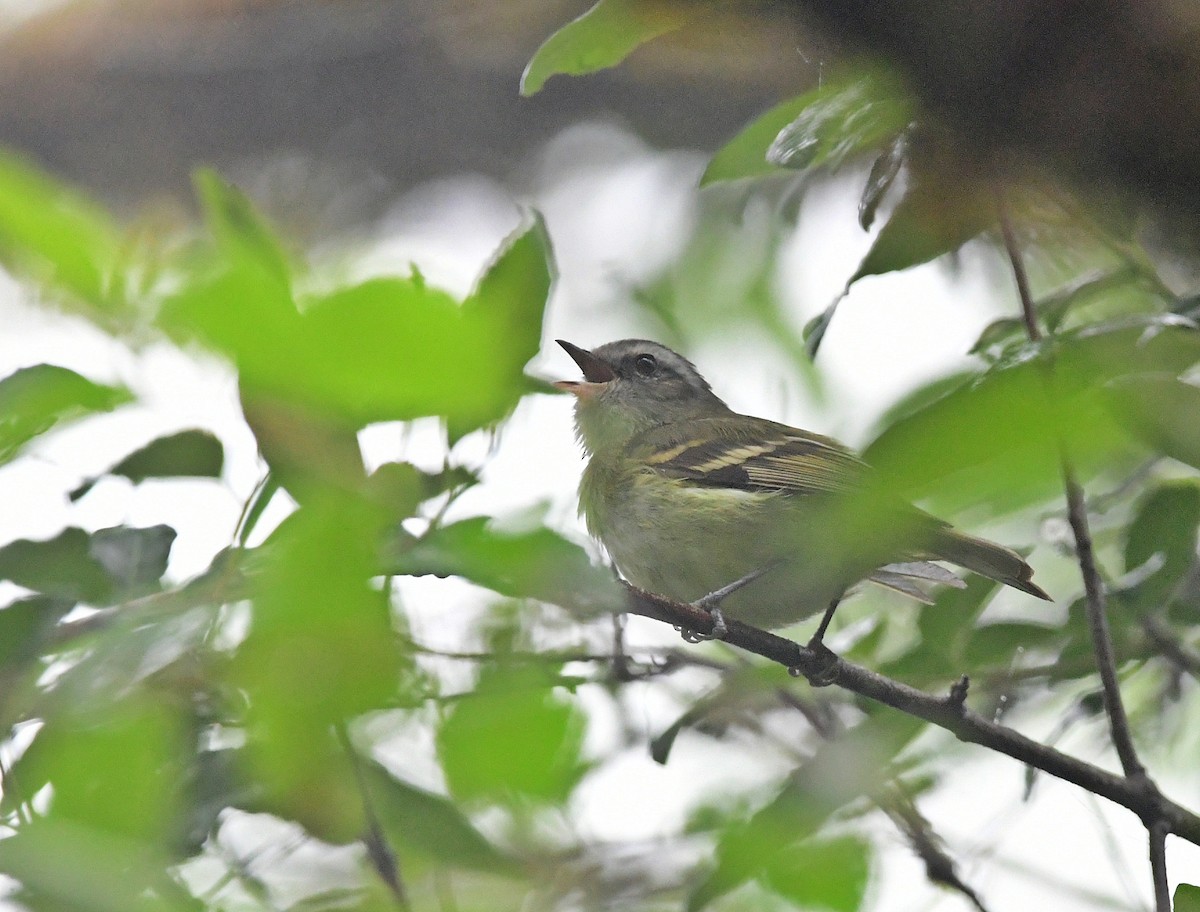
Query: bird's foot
[(824, 669), (712, 604)]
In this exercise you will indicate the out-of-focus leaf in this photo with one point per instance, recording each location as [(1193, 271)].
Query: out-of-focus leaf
[(994, 443), (67, 867), (62, 567), (241, 232), (602, 37), (822, 874), (321, 650), (430, 825), (933, 218), (995, 645), (135, 559), (884, 171), (25, 625), (512, 737), (188, 454), (815, 329), (1161, 411), (114, 772), (387, 349), (1187, 898), (844, 118), (1166, 525), (58, 236), (35, 399), (840, 771), (538, 564)]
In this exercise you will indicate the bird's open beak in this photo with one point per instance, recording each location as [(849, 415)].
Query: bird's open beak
[(596, 374)]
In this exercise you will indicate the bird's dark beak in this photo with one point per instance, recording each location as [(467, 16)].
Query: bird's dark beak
[(595, 372)]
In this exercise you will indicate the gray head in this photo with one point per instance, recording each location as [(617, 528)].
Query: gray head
[(632, 385)]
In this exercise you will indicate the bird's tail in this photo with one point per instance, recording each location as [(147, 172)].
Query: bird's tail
[(988, 559)]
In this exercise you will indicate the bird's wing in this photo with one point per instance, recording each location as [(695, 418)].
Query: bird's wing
[(763, 456)]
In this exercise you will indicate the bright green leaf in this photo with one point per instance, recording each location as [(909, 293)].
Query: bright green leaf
[(1154, 409), (746, 154), (513, 736), (35, 399), (62, 238), (602, 37), (822, 874)]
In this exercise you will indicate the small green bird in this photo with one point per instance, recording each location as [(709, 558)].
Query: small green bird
[(766, 522)]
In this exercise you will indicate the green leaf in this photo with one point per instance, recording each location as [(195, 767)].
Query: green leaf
[(513, 736), (187, 454), (826, 128), (822, 874), (746, 154), (537, 564), (844, 118), (602, 37), (1165, 525), (933, 218), (839, 772), (62, 567), (1187, 898), (58, 236), (1159, 411), (240, 231), (25, 626), (417, 821), (884, 171), (384, 350), (35, 399)]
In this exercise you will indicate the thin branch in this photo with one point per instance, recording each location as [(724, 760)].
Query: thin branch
[(1139, 796), (1093, 586), (1158, 866)]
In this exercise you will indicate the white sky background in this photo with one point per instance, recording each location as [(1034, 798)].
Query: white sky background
[(614, 222)]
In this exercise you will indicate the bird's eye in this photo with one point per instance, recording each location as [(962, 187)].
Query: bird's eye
[(646, 365)]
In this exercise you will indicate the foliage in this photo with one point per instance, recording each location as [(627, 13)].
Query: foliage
[(147, 716)]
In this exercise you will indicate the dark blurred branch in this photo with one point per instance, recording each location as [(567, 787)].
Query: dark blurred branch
[(1095, 597), (946, 712)]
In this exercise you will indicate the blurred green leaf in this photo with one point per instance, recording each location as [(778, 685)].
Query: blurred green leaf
[(1165, 525), (822, 874), (66, 867), (58, 236), (996, 645), (63, 567), (602, 37), (430, 825), (537, 564), (1157, 410), (241, 233), (25, 626), (35, 399), (840, 771), (187, 454), (114, 772), (1187, 898), (884, 171), (933, 217), (512, 737), (387, 349), (844, 118), (321, 650), (994, 443)]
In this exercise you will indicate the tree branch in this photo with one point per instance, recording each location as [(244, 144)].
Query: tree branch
[(948, 712)]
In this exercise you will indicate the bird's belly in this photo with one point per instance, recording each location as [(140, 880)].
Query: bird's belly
[(686, 542)]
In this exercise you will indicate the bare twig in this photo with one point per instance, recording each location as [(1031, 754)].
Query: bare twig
[(944, 711), (1095, 600)]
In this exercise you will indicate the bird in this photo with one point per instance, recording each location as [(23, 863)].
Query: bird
[(746, 517)]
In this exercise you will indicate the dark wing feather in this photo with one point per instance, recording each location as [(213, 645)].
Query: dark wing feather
[(750, 455)]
